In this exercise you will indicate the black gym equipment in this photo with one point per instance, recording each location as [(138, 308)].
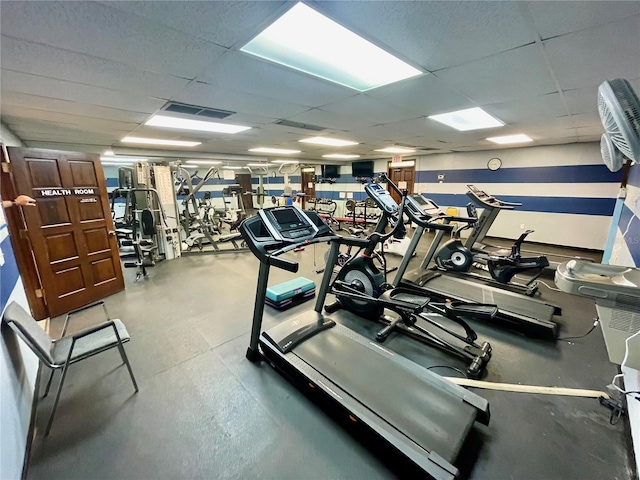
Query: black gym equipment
[(361, 288), (454, 257), (391, 401), (529, 316), (491, 207)]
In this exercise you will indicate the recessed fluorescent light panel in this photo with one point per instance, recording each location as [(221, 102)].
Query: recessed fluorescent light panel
[(286, 162), (198, 125), (258, 164), (305, 40), (204, 162), (277, 151), (114, 159), (232, 168), (468, 119), (519, 138), (396, 150), (158, 141), (333, 142), (341, 156)]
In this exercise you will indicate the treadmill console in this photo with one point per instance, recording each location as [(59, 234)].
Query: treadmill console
[(382, 198), (421, 205), (288, 224)]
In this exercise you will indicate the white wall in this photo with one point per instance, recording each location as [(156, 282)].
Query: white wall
[(566, 182), (18, 365)]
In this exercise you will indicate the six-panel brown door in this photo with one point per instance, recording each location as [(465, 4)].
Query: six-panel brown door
[(404, 177), (70, 230), (308, 186)]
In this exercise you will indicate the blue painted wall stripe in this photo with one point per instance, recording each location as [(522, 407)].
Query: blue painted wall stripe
[(613, 231), (634, 176), (579, 206), (559, 174), (8, 273), (112, 182), (629, 226)]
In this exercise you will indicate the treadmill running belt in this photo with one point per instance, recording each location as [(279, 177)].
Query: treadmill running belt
[(433, 418), (506, 301)]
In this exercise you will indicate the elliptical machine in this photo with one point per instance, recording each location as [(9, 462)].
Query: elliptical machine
[(453, 256), (361, 288)]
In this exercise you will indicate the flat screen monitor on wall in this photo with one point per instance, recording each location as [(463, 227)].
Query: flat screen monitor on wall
[(330, 171), (362, 169)]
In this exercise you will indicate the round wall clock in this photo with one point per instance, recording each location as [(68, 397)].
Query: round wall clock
[(494, 164)]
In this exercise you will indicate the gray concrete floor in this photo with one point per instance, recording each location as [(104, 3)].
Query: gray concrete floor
[(204, 411)]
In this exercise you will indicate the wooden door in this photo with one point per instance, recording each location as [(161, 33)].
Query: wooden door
[(308, 186), (70, 230), (244, 180), (403, 177)]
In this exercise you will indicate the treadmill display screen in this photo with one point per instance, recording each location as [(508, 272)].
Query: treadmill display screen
[(287, 219)]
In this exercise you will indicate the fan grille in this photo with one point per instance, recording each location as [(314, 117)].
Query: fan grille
[(611, 156), (619, 110)]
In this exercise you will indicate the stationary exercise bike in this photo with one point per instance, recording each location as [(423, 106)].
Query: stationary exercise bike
[(455, 257), (360, 287)]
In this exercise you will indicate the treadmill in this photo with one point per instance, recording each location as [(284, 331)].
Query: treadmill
[(392, 401), (529, 316), (492, 206)]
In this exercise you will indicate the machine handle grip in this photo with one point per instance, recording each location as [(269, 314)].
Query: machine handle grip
[(284, 264)]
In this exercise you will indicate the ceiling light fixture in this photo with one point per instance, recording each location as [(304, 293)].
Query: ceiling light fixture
[(517, 138), (266, 164), (278, 151), (309, 169), (203, 162), (198, 125), (159, 141), (115, 159), (229, 167), (468, 119), (108, 153), (333, 142), (396, 150), (342, 156), (286, 162), (306, 40)]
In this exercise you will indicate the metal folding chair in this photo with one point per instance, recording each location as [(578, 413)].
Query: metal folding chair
[(67, 350)]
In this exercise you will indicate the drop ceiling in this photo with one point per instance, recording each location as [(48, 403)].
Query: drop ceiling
[(82, 75)]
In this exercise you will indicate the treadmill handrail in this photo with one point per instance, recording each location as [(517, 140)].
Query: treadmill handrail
[(484, 199)]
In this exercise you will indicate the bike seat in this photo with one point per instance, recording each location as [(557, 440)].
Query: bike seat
[(479, 311)]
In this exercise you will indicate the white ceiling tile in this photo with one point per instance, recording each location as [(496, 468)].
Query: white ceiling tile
[(558, 18), (582, 100), (69, 147), (528, 110), (221, 22), (424, 95), (591, 56), (368, 109), (227, 98), (436, 34), (22, 56), (329, 120), (63, 118), (73, 108), (516, 74), (250, 74), (596, 130), (101, 31), (77, 92)]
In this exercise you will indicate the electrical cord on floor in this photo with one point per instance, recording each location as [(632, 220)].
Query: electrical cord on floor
[(464, 375), (540, 282), (596, 321), (634, 394)]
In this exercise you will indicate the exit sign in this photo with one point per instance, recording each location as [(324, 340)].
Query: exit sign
[(396, 159)]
